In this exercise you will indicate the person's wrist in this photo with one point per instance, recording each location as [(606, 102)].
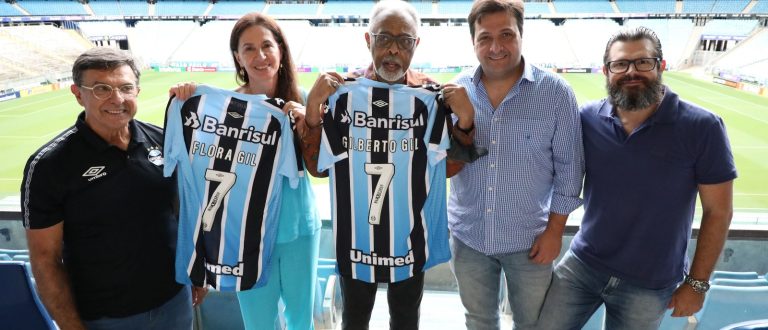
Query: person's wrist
[(466, 130)]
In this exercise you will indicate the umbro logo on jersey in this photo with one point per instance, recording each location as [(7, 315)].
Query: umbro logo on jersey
[(380, 103), (235, 115), (192, 121), (94, 173)]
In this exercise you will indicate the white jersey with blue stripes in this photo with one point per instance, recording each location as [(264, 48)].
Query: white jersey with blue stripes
[(230, 152), (385, 146)]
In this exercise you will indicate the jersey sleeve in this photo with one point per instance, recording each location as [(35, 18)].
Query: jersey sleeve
[(42, 203), (290, 155), (332, 149), (172, 134), (439, 140)]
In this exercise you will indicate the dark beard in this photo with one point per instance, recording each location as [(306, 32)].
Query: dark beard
[(637, 98)]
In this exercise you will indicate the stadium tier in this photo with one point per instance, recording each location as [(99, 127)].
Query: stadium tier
[(360, 8)]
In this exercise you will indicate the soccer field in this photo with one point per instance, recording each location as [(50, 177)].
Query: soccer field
[(27, 123)]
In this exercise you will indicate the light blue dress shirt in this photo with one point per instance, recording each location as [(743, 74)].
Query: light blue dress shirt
[(535, 163)]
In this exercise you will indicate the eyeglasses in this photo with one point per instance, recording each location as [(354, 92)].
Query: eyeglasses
[(644, 64), (405, 42), (104, 91)]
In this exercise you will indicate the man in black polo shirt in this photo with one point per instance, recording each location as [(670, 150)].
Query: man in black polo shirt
[(100, 217)]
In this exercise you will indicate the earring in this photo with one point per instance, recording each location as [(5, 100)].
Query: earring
[(241, 72)]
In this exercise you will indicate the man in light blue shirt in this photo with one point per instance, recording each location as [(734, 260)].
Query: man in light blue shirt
[(507, 211)]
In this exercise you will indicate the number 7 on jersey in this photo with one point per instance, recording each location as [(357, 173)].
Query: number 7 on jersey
[(385, 173)]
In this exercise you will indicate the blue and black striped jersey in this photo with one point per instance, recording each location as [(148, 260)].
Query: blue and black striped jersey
[(231, 151), (385, 146)]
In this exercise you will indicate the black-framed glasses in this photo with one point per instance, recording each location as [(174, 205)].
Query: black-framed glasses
[(104, 91), (644, 64), (382, 40)]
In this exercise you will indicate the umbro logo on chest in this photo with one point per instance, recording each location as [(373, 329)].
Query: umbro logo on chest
[(95, 172)]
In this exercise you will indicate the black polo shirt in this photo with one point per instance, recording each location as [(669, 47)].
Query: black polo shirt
[(118, 212)]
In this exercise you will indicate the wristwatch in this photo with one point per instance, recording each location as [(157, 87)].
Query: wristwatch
[(697, 285)]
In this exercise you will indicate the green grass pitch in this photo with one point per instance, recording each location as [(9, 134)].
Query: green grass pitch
[(27, 123)]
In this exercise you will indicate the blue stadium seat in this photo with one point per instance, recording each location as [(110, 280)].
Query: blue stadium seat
[(597, 321), (749, 325), (5, 257), (327, 310), (725, 305), (21, 307), (674, 323), (11, 253), (219, 310), (739, 282), (734, 275)]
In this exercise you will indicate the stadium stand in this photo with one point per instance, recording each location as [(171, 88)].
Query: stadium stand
[(535, 8), (760, 8), (6, 9), (423, 7), (748, 57), (729, 6), (216, 49), (589, 51), (293, 9), (236, 7), (21, 308), (648, 6), (556, 51), (101, 29), (460, 7), (730, 27), (53, 7), (167, 8), (673, 34), (432, 53), (582, 6), (157, 48), (349, 8), (120, 8)]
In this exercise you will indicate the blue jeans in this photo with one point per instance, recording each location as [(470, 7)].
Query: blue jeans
[(479, 277), (174, 314), (292, 277), (578, 291)]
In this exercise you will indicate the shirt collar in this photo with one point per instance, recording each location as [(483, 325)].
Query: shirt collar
[(137, 135), (527, 72), (665, 113)]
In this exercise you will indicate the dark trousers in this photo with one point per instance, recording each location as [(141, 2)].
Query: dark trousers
[(404, 299)]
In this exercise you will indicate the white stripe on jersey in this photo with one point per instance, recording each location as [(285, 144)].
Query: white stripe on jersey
[(247, 196), (31, 171), (216, 140), (201, 209), (275, 162)]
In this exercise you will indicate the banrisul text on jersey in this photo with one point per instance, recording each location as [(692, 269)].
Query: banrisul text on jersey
[(385, 146), (230, 152)]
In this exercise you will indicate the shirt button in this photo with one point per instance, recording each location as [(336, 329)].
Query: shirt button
[(493, 141), (490, 188), (495, 119), (488, 210), (493, 165)]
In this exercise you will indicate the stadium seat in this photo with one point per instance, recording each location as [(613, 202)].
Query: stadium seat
[(725, 305), (597, 321), (327, 310), (734, 275), (21, 307), (219, 310), (675, 323), (749, 325), (5, 257), (11, 253), (738, 282)]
